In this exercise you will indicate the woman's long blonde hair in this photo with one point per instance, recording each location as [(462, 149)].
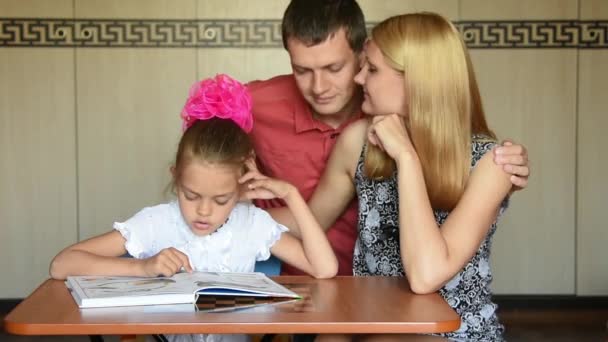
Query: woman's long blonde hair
[(444, 103)]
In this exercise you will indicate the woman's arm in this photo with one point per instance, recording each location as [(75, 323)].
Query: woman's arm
[(336, 188), (432, 256), (101, 255)]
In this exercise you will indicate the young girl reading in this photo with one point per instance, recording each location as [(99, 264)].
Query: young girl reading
[(208, 227)]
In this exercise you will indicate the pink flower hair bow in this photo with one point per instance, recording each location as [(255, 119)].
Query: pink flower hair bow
[(221, 97)]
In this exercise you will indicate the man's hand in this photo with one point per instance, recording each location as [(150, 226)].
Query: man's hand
[(514, 160)]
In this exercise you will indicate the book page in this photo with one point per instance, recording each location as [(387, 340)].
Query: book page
[(219, 283), (105, 287), (254, 283)]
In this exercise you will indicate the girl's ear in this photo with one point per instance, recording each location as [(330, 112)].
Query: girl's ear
[(249, 164), (243, 193), (172, 170)]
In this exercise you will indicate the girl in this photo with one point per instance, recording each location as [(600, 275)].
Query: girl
[(429, 192), (207, 228)]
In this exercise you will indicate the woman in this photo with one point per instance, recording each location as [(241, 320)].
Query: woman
[(429, 193)]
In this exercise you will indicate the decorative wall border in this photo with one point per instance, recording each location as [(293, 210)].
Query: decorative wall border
[(535, 34), (266, 33)]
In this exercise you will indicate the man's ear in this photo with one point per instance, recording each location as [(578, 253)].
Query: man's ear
[(172, 170), (361, 55)]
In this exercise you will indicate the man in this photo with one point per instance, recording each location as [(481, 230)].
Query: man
[(299, 116)]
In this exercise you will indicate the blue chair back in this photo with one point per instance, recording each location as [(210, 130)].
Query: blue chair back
[(270, 267)]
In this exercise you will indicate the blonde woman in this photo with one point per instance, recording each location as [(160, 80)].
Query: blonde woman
[(421, 166)]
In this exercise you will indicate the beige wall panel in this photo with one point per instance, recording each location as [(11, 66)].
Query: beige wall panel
[(128, 103), (592, 232), (592, 235), (530, 96), (36, 8), (37, 172), (593, 9), (241, 9), (37, 146), (379, 10), (243, 64), (518, 9), (128, 127), (140, 9), (274, 9)]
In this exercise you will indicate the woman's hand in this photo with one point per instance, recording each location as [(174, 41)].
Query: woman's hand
[(388, 132), (166, 263), (260, 186)]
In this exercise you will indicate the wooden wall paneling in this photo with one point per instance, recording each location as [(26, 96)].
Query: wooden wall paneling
[(376, 11), (244, 63), (128, 102), (592, 186), (37, 146), (530, 96), (36, 8)]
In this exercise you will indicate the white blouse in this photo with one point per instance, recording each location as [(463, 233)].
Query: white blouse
[(235, 247)]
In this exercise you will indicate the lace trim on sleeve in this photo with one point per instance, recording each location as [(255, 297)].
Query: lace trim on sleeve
[(135, 249), (270, 240)]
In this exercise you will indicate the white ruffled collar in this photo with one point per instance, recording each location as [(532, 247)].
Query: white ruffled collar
[(211, 252)]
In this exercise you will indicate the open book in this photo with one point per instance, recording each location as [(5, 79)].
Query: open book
[(104, 291)]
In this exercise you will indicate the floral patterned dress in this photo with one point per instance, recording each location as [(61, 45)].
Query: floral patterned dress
[(377, 252)]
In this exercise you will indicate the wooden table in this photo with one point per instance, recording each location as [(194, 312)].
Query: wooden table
[(338, 305)]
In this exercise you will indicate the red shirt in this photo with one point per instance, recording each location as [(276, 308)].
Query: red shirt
[(292, 146)]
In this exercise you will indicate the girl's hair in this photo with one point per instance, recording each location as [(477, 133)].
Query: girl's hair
[(216, 120), (214, 141), (445, 106)]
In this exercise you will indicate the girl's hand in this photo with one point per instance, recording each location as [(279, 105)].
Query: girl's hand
[(166, 263), (388, 132), (260, 186)]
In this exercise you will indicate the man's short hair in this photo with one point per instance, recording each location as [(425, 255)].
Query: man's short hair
[(314, 21)]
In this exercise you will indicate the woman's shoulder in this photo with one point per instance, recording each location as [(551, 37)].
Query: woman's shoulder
[(483, 139), (482, 159), (484, 169), (357, 128), (481, 144), (353, 136)]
